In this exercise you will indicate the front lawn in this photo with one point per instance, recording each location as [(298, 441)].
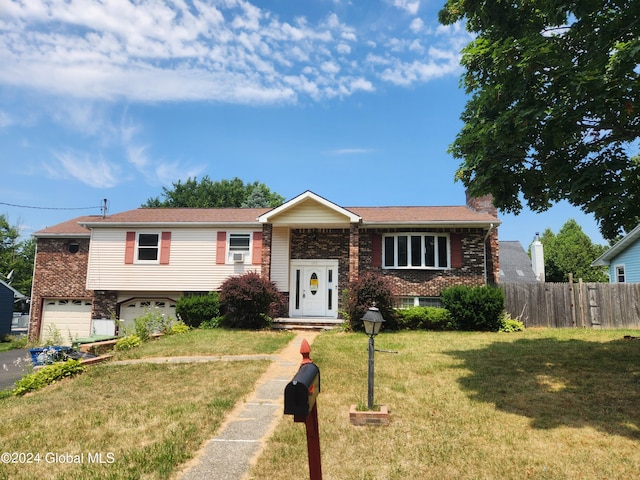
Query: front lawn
[(140, 421), (211, 342), (541, 404)]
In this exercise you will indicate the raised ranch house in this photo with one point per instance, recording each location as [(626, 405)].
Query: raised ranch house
[(91, 268)]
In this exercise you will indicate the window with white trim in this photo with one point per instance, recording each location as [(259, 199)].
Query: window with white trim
[(148, 247), (239, 247), (620, 276), (416, 250)]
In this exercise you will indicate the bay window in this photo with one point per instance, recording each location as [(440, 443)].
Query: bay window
[(416, 250)]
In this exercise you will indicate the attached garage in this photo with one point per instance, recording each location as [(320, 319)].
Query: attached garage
[(70, 317), (138, 307)]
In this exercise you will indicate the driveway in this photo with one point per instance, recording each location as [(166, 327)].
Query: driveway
[(13, 365)]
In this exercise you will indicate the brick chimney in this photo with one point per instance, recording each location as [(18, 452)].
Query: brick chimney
[(482, 204)]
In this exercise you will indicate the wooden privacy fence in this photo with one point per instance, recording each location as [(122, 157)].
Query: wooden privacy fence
[(590, 305)]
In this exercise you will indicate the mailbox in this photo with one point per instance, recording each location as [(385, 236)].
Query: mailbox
[(301, 392)]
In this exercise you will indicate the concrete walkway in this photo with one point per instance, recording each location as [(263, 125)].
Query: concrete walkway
[(242, 436)]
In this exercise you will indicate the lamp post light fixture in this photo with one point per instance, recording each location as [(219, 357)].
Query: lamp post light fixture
[(372, 323)]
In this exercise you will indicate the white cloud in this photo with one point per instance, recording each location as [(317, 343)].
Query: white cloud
[(350, 151), (5, 119), (226, 51), (169, 172), (137, 155), (416, 25), (93, 171), (409, 6)]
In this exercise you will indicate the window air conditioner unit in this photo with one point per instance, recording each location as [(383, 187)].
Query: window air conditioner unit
[(238, 257)]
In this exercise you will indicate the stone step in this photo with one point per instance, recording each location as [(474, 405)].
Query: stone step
[(307, 323)]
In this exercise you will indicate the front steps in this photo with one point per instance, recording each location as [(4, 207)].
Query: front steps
[(307, 323)]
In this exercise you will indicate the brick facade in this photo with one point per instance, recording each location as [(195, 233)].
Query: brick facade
[(58, 273), (336, 244), (104, 304), (323, 244), (429, 283)]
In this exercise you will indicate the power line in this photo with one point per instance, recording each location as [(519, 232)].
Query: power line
[(50, 208)]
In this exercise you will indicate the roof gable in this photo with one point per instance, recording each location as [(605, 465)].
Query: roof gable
[(308, 208), (627, 241)]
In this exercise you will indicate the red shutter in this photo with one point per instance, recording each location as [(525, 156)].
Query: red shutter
[(165, 248), (256, 257), (221, 248), (376, 250), (130, 247), (456, 250)]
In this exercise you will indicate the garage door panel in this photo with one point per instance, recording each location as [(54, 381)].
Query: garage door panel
[(139, 307), (71, 318)]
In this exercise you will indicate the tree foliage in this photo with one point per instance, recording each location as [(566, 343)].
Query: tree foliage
[(16, 256), (209, 194), (555, 105), (571, 251)]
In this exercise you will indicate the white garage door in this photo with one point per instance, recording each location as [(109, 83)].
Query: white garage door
[(69, 318), (139, 307)]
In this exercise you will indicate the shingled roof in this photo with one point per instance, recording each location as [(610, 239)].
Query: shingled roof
[(397, 215)]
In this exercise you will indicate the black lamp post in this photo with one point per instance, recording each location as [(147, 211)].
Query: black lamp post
[(372, 322)]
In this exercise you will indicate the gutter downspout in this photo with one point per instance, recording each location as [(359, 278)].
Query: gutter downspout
[(484, 244)]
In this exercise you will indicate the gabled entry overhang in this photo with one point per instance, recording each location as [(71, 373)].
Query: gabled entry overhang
[(309, 210)]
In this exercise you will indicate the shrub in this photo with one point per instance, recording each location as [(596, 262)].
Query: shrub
[(474, 308), (127, 343), (152, 321), (178, 328), (47, 375), (195, 309), (510, 325), (250, 301), (215, 322), (369, 290), (424, 318)]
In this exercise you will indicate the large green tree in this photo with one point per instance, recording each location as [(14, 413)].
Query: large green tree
[(209, 194), (554, 108), (571, 251), (16, 256)]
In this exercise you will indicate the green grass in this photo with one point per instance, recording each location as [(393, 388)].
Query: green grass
[(217, 341), (10, 342), (543, 404), (540, 404), (145, 420)]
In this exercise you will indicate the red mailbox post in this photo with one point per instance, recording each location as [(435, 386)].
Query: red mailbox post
[(300, 396)]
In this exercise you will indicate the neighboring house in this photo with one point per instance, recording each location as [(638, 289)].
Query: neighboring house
[(96, 267), (515, 264), (623, 259), (8, 298)]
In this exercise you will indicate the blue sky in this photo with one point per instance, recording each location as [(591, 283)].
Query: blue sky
[(354, 100)]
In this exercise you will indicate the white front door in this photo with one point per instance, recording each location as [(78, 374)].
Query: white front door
[(314, 288), (313, 291)]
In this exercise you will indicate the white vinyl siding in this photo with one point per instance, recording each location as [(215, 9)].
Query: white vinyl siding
[(310, 213), (280, 258), (192, 265)]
